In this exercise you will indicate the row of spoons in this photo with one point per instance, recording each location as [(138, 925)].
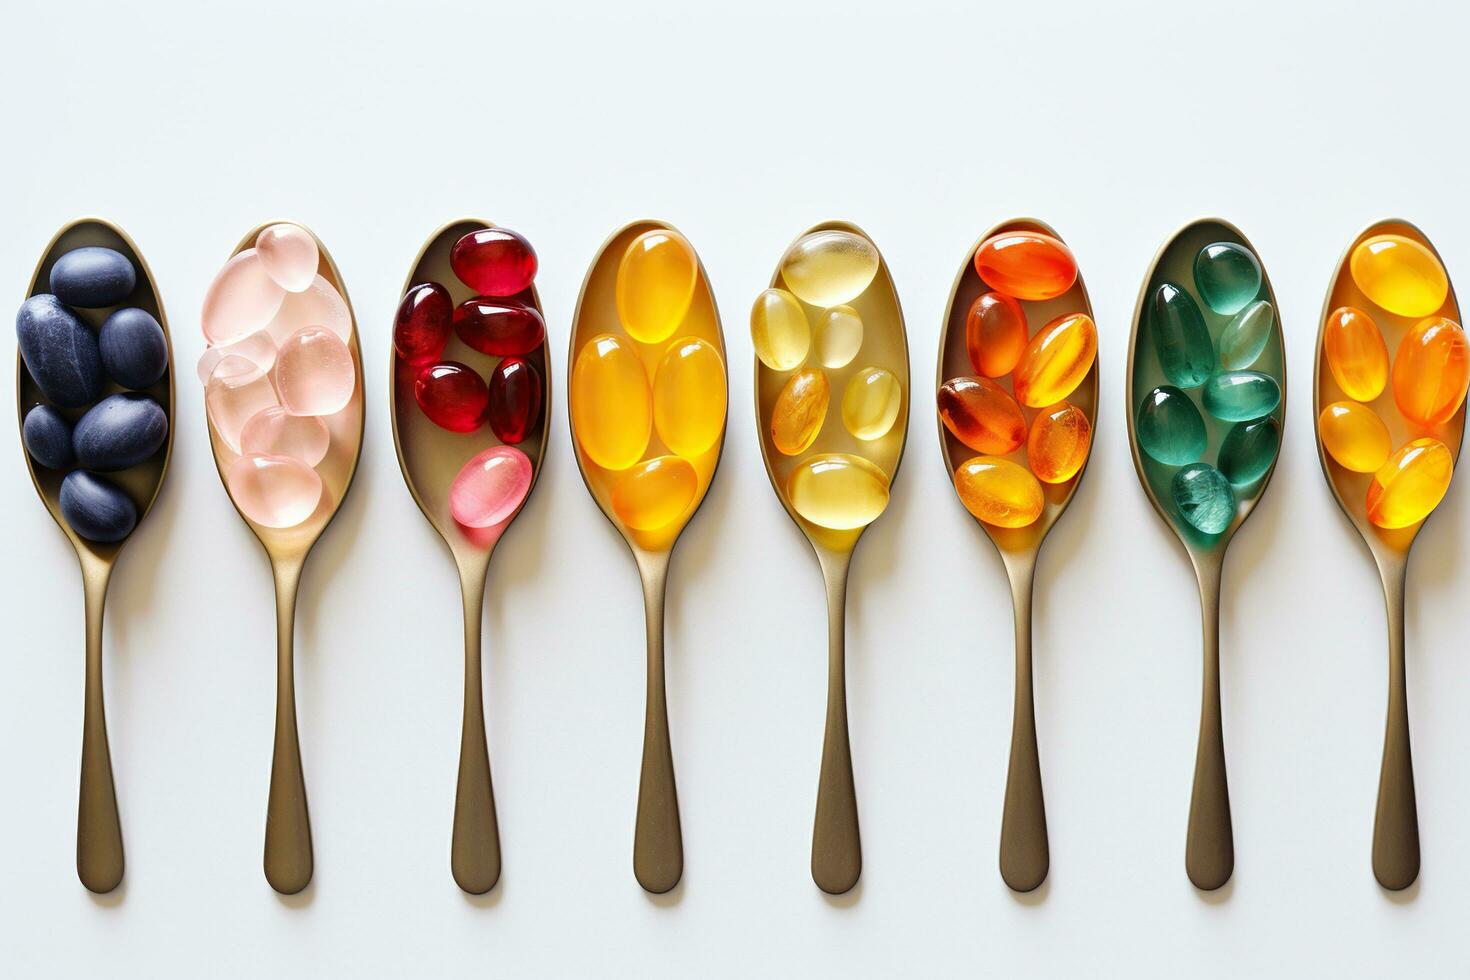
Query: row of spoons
[(431, 457)]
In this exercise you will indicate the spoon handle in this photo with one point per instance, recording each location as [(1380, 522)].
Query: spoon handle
[(1396, 824), (837, 848), (475, 852), (99, 828), (1209, 854), (1025, 854), (658, 841), (288, 858)]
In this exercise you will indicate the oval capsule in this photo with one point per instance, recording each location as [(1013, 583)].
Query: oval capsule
[(1410, 484), (1356, 355), (829, 268), (838, 491), (995, 334), (655, 493), (1026, 264), (611, 404), (779, 330), (1059, 442), (1239, 396), (1400, 275), (982, 415), (1170, 428), (1056, 360), (1244, 337), (1203, 497), (1186, 353), (689, 396), (1431, 371), (655, 285), (1355, 436), (1228, 277), (999, 492), (800, 411), (838, 337), (871, 403), (1249, 450)]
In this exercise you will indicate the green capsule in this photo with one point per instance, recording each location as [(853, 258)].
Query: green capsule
[(1244, 337), (1227, 277), (1180, 338), (1249, 450), (1204, 497), (1239, 396), (1170, 428)]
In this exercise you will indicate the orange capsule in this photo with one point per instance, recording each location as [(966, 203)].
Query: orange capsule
[(982, 415), (1411, 484), (799, 412), (995, 333), (1058, 444), (999, 492), (1356, 353), (1056, 360), (1026, 265), (1431, 371)]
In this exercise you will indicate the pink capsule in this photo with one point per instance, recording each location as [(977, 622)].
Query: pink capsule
[(315, 373), (241, 300), (289, 254), (274, 491), (274, 431), (490, 487)]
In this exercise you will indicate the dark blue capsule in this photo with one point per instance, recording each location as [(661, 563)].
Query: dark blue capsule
[(47, 436), (119, 431), (134, 351), (95, 508), (93, 276), (59, 351)]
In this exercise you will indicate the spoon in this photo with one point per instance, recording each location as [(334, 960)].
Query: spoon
[(99, 829), (431, 457), (1396, 825), (1024, 852), (1209, 857), (837, 855), (658, 848), (288, 853)]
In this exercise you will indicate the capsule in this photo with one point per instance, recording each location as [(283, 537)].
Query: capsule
[(1228, 276), (655, 493), (871, 403), (800, 411), (1357, 357), (999, 492), (982, 415), (1410, 484), (1170, 428), (1244, 337), (612, 408), (1026, 265), (1059, 442), (838, 337), (829, 268), (995, 334), (1400, 275), (1249, 450), (1355, 436), (838, 491), (655, 285), (1186, 353), (1239, 396), (1203, 497), (1431, 371), (689, 397), (779, 330), (1056, 360)]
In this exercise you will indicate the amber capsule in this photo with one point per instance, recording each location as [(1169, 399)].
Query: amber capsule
[(1056, 360), (1400, 275), (1411, 484), (871, 403), (779, 330), (995, 334), (999, 492), (829, 268), (1431, 371), (799, 412), (1354, 435), (838, 491), (655, 493), (982, 415), (1356, 353), (1058, 444), (612, 408), (689, 396), (1026, 265), (655, 285)]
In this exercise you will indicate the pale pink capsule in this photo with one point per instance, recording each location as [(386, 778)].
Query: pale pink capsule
[(314, 372), (490, 487), (258, 348), (241, 300), (289, 255), (236, 391), (320, 305), (275, 491), (276, 432)]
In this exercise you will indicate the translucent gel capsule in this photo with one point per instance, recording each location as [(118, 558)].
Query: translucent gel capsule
[(1355, 436), (273, 431), (423, 324), (838, 491), (494, 262), (1186, 353), (838, 337), (315, 373), (1056, 360), (1026, 265), (1410, 484), (1058, 444), (452, 395), (1245, 336), (1356, 353), (488, 489), (871, 403), (258, 348), (289, 254), (235, 392), (1204, 497), (655, 285), (995, 334), (1248, 450), (999, 492), (1227, 276), (273, 491), (655, 493), (1170, 428), (779, 330), (689, 397), (241, 300), (499, 327), (982, 415), (1431, 371), (513, 401), (320, 305), (800, 411), (829, 268), (1400, 275), (1239, 396), (612, 407)]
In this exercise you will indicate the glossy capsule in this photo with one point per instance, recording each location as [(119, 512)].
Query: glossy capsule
[(999, 492), (982, 415), (1203, 497), (779, 330), (838, 336), (499, 327), (1431, 371), (513, 406), (1410, 484), (995, 334), (1058, 444), (871, 403), (1356, 355), (1249, 450), (1056, 360), (800, 411), (1239, 396), (1228, 277), (1354, 436), (1400, 275), (1181, 341), (1026, 264), (494, 261), (1170, 428), (829, 268), (423, 324), (689, 397), (452, 395), (655, 493), (838, 491), (1244, 338), (655, 285), (612, 407)]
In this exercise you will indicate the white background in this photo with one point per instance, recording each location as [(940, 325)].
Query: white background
[(373, 123)]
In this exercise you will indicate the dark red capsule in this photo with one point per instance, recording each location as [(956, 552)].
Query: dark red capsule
[(502, 327), (425, 318), (494, 261), (515, 399), (452, 395)]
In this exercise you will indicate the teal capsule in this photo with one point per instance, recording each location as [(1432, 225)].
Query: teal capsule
[(1204, 497), (1249, 450), (1180, 338), (1239, 396), (1244, 337), (1227, 277), (1170, 428)]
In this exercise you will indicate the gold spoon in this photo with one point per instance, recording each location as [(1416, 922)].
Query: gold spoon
[(658, 847), (1024, 852), (288, 855), (431, 457), (1396, 824), (1209, 856), (99, 830), (837, 853)]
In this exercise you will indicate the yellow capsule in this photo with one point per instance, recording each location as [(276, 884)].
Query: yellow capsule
[(779, 330), (998, 491), (799, 412), (1355, 436), (1400, 275), (838, 491), (1356, 353), (1056, 360), (839, 336), (829, 268), (611, 406), (656, 285), (1058, 444), (871, 402), (689, 396), (655, 493), (1411, 484)]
